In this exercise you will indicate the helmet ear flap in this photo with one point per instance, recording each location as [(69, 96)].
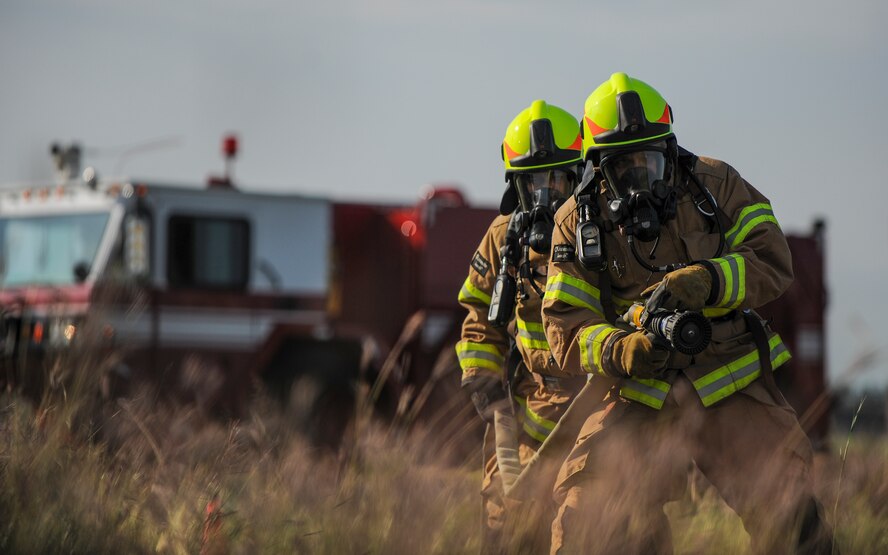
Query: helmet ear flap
[(671, 157), (593, 156), (587, 177), (509, 202)]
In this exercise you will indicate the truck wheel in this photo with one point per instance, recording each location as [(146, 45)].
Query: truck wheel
[(316, 382)]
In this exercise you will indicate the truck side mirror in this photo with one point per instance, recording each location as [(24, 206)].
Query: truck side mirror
[(136, 245), (81, 271)]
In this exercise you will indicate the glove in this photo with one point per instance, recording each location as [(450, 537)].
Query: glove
[(637, 356), (684, 289), (488, 395)]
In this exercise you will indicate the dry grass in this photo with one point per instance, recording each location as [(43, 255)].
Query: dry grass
[(78, 476)]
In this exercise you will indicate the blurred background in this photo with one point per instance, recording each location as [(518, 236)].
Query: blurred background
[(373, 100)]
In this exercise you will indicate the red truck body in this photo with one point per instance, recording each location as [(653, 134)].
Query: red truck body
[(799, 315)]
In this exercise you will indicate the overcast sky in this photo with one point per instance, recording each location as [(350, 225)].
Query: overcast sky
[(373, 100)]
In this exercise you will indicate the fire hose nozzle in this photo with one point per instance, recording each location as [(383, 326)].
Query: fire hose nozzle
[(688, 332)]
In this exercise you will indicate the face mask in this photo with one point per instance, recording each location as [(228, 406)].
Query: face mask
[(541, 194), (637, 184)]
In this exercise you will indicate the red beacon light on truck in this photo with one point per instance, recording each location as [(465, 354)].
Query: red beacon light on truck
[(413, 223), (230, 145)]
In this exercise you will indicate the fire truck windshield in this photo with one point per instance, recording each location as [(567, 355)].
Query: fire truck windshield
[(44, 250)]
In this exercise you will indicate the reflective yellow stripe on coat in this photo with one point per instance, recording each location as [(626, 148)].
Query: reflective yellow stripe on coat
[(648, 392), (747, 220), (733, 268), (579, 293), (736, 375), (532, 335), (535, 425), (591, 342), (714, 386), (479, 355), (471, 294), (574, 292)]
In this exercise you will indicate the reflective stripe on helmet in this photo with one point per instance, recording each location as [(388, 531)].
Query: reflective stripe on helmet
[(736, 375), (749, 218)]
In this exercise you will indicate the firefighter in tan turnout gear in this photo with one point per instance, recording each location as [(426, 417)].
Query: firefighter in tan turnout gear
[(677, 234), (503, 348)]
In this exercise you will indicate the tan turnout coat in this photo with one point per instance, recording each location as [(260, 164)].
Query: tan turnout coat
[(754, 268)]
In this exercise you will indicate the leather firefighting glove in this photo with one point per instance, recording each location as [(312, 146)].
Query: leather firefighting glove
[(488, 394), (637, 356), (683, 289)]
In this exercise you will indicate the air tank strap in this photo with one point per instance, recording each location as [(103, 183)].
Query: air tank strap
[(688, 160), (760, 336), (607, 298)]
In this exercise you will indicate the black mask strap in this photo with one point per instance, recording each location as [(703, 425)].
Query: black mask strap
[(590, 177)]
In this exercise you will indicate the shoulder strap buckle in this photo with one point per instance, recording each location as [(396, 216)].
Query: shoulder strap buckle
[(699, 201)]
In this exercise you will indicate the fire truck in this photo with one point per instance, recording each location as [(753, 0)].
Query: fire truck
[(207, 291)]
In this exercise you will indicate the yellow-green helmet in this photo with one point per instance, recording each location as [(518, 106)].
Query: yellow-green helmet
[(540, 137), (624, 111)]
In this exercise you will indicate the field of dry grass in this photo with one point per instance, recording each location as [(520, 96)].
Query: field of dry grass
[(77, 476)]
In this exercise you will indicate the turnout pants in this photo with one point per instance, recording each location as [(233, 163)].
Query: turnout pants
[(507, 523), (630, 460)]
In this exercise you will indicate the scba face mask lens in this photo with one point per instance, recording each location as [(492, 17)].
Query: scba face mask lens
[(637, 171), (547, 188), (541, 194), (638, 184)]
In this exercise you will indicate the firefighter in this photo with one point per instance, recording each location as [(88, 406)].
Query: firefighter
[(660, 226), (503, 348)]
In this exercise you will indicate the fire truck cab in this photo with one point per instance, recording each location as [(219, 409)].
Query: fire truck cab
[(171, 272), (209, 291)]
